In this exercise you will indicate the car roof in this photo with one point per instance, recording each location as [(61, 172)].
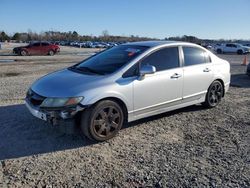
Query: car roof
[(155, 43)]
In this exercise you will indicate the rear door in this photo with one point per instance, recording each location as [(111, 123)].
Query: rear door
[(230, 48), (198, 72), (45, 48), (233, 48)]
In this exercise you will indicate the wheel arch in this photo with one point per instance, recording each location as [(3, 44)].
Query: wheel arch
[(118, 100), (24, 49)]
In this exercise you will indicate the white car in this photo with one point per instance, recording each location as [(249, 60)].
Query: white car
[(129, 82), (232, 48)]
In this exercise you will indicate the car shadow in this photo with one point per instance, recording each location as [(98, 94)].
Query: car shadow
[(24, 135), (240, 80), (192, 108)]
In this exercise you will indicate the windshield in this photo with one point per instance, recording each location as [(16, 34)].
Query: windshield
[(110, 60)]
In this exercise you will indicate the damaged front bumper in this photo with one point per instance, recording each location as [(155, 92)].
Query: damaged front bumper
[(54, 115)]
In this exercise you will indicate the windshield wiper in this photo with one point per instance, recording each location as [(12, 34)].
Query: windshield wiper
[(87, 69)]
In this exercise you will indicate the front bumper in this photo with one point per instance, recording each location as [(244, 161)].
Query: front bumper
[(55, 115), (246, 51)]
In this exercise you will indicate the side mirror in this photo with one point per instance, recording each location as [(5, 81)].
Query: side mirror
[(146, 69)]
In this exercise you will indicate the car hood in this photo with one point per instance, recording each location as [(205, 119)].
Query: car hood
[(66, 83)]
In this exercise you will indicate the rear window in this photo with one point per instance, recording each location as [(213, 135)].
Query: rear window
[(195, 56), (36, 44)]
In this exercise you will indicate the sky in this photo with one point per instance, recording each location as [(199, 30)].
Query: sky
[(206, 19)]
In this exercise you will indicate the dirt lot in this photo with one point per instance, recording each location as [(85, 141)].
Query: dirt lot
[(185, 148)]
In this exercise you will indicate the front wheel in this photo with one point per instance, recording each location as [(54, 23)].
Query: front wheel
[(214, 94), (102, 121)]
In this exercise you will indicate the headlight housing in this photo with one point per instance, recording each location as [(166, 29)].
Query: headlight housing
[(61, 102)]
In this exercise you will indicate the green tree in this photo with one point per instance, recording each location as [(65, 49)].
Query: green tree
[(16, 36), (75, 35), (4, 36)]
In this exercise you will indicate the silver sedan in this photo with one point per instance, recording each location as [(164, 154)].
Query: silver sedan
[(129, 82)]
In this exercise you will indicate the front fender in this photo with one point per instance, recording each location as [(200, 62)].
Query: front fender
[(93, 97)]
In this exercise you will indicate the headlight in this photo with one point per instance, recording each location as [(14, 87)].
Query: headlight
[(60, 102)]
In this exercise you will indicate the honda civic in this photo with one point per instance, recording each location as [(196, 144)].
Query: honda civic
[(129, 82)]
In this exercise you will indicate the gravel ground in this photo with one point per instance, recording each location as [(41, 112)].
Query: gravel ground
[(190, 147)]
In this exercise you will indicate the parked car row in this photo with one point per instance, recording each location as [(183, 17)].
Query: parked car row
[(51, 48), (88, 44)]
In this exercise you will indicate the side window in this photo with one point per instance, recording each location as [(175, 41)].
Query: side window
[(163, 59), (234, 46), (132, 71), (45, 44), (228, 45), (36, 44), (194, 56)]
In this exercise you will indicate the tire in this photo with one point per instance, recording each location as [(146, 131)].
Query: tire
[(23, 53), (240, 52), (214, 94), (102, 121), (51, 52), (219, 51)]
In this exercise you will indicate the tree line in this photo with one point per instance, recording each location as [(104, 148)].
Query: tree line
[(104, 37), (68, 36)]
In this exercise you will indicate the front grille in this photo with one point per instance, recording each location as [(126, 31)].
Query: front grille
[(34, 98)]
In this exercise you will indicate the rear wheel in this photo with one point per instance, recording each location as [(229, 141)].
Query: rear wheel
[(51, 53), (102, 121), (240, 52), (23, 53), (219, 51), (214, 94)]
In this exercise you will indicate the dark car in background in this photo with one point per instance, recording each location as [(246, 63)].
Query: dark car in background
[(248, 69), (37, 48)]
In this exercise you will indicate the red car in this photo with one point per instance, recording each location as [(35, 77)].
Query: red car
[(37, 48)]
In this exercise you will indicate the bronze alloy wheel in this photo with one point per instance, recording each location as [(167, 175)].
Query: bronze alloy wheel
[(106, 121), (102, 121)]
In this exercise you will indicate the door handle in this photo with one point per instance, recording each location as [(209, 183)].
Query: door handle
[(175, 75), (206, 70)]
